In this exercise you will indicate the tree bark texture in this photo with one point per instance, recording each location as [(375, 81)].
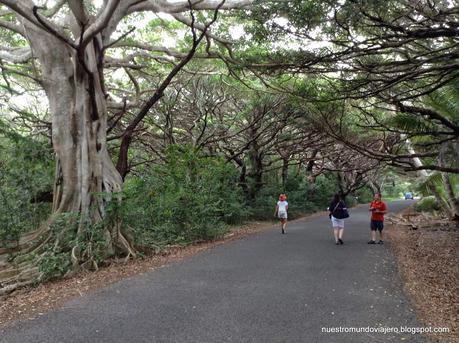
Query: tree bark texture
[(285, 162), (73, 84)]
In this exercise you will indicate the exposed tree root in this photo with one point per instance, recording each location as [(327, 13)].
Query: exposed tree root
[(19, 265), (13, 276), (130, 251)]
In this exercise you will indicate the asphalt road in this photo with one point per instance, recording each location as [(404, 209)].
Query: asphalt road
[(265, 288)]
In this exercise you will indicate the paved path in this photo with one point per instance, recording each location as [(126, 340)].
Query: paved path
[(265, 288)]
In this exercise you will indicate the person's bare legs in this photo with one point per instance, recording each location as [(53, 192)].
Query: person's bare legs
[(340, 235), (336, 233), (283, 225)]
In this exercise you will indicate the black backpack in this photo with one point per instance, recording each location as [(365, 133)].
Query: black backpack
[(340, 213)]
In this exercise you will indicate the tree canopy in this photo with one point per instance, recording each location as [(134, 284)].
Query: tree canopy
[(117, 113)]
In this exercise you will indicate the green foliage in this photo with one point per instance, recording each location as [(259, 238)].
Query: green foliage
[(268, 16), (90, 243), (427, 204), (410, 123), (433, 185), (395, 186), (433, 182), (190, 197), (55, 262), (446, 100), (53, 265), (302, 196), (93, 241), (26, 171), (362, 196)]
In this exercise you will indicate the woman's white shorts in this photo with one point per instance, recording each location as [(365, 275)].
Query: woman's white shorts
[(282, 215), (337, 222)]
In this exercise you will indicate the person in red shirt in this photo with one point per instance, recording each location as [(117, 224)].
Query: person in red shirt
[(378, 209)]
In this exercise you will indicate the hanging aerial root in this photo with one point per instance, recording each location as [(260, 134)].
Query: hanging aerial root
[(126, 246), (74, 257)]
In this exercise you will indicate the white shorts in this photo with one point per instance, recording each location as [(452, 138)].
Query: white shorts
[(282, 215), (337, 222)]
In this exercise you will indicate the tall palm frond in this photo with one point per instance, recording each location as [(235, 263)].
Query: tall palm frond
[(434, 180), (446, 100), (410, 123)]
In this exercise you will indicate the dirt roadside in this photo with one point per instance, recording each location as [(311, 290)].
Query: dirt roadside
[(428, 259)]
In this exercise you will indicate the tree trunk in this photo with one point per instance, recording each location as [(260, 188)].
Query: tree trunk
[(74, 87), (243, 180), (284, 172), (256, 174), (452, 201), (243, 172), (341, 183), (79, 123), (423, 173), (256, 164), (375, 187)]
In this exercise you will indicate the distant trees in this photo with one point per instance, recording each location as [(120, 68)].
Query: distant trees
[(382, 76)]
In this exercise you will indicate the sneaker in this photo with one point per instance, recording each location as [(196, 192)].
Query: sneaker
[(337, 243), (380, 242), (340, 241), (283, 231), (371, 242)]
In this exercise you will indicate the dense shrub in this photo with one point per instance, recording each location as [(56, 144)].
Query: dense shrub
[(363, 195), (26, 171), (191, 197), (427, 204), (303, 196)]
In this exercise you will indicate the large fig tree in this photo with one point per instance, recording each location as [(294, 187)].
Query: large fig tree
[(66, 48)]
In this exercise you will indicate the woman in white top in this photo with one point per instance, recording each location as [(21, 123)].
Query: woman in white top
[(281, 211)]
